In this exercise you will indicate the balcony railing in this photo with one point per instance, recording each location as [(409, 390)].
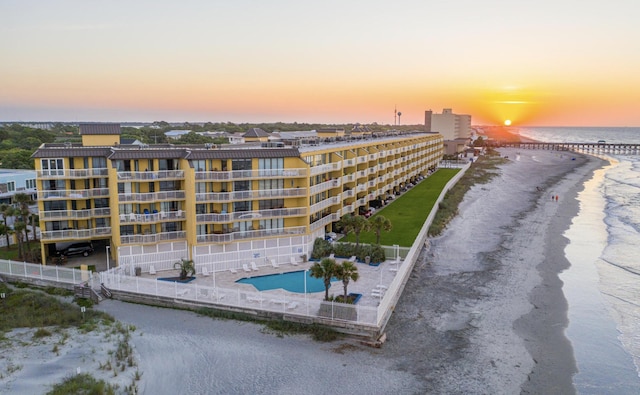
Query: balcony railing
[(150, 196), (75, 214), (154, 238), (152, 217), (150, 175), (256, 194), (73, 193), (349, 178), (250, 174), (72, 173), (250, 234), (79, 234), (324, 221), (348, 162), (324, 186), (249, 215), (324, 204), (328, 167)]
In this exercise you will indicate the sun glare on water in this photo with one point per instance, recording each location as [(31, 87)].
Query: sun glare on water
[(507, 122)]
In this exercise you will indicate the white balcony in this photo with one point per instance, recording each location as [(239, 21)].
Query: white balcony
[(75, 234), (348, 163), (248, 215), (361, 187), (73, 194), (328, 167), (324, 204), (75, 214), (151, 196), (72, 173), (153, 238), (150, 175), (256, 194), (324, 186), (250, 234), (348, 178), (231, 175), (152, 217)]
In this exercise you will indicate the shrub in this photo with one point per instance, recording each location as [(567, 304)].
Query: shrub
[(321, 249)]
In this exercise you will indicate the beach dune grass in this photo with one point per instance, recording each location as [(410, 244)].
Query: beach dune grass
[(408, 212)]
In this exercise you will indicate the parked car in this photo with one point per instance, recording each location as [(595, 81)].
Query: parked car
[(84, 249)]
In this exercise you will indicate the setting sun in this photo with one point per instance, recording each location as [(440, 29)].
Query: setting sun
[(507, 122)]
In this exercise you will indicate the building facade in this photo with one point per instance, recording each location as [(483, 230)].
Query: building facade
[(16, 181), (217, 205), (451, 126)]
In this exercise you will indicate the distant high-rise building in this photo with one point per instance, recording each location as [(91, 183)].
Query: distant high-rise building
[(451, 126)]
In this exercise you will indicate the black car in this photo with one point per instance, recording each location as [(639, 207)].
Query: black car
[(84, 249)]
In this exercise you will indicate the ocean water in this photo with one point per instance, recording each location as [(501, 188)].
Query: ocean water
[(602, 285)]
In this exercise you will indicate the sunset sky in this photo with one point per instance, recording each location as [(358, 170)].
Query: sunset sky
[(537, 63)]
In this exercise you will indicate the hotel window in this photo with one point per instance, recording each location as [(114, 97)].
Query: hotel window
[(241, 185), (271, 184), (242, 206), (270, 163), (99, 163), (52, 166), (271, 204), (241, 164), (31, 184), (199, 165)]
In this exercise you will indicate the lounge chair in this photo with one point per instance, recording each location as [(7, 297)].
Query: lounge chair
[(233, 270), (353, 259), (152, 270), (253, 266), (332, 256), (245, 267), (292, 305), (273, 263), (205, 272), (293, 261)]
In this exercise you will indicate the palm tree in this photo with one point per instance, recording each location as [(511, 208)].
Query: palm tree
[(187, 268), (324, 270), (19, 227), (346, 223), (359, 225), (346, 271), (380, 223), (24, 201), (7, 211)]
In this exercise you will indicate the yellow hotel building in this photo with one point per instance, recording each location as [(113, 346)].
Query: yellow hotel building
[(218, 205)]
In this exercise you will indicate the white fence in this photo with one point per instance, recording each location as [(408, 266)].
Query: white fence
[(216, 257), (162, 256), (118, 280), (40, 272)]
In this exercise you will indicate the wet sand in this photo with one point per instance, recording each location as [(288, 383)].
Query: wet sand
[(486, 301)]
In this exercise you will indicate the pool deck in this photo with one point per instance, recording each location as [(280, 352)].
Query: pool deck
[(372, 283)]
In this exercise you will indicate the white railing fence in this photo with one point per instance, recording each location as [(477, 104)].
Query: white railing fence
[(118, 280), (42, 272)]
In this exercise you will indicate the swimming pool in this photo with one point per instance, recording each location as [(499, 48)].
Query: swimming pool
[(289, 281)]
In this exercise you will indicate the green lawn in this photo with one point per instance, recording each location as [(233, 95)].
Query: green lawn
[(408, 212)]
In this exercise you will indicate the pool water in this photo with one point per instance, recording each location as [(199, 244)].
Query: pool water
[(290, 281)]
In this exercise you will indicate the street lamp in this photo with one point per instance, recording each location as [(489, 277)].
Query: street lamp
[(108, 248)]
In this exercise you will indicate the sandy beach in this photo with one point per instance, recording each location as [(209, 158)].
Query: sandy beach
[(483, 311)]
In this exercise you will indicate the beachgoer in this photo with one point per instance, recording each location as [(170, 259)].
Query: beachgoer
[(556, 198)]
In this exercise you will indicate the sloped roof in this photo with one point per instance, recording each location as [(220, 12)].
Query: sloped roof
[(256, 132), (100, 128)]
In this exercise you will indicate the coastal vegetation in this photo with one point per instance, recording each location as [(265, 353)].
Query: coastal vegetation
[(57, 321)]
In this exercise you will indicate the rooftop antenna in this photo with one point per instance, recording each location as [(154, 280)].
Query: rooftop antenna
[(395, 114)]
